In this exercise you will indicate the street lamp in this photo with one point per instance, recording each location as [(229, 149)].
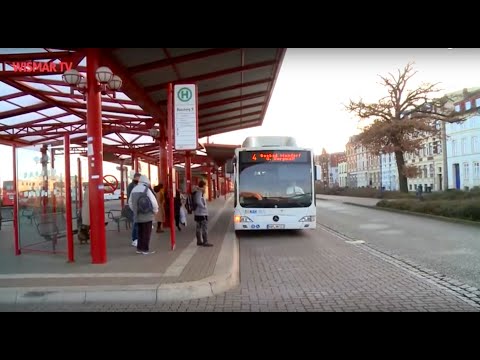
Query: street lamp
[(107, 80), (154, 133), (72, 77)]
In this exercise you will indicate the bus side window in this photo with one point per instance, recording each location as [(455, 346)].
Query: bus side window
[(318, 172)]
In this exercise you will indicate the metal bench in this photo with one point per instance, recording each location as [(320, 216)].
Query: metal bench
[(6, 215), (52, 226), (28, 214), (118, 216)]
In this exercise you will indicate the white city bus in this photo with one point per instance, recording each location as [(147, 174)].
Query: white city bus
[(274, 185)]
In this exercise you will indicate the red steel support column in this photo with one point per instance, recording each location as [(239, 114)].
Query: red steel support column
[(52, 166), (122, 183), (95, 161), (188, 172), (43, 161), (80, 182), (217, 183), (68, 198), (133, 163), (137, 164), (209, 181), (224, 167), (170, 164), (163, 179), (159, 172), (15, 205), (163, 161)]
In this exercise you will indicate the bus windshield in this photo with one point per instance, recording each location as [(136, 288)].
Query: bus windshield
[(8, 185), (275, 184)]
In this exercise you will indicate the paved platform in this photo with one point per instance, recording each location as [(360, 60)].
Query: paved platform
[(314, 270), (187, 272)]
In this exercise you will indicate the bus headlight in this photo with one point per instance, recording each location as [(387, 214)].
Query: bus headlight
[(240, 219), (310, 218)]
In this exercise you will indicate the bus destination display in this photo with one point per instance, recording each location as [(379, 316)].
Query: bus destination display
[(274, 156)]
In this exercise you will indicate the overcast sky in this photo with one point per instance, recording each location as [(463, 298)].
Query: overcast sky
[(314, 83)]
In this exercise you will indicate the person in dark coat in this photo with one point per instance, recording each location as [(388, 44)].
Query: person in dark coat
[(177, 204)]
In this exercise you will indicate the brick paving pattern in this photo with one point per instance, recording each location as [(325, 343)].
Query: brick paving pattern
[(312, 271)]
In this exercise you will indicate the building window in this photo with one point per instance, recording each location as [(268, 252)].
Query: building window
[(425, 175), (466, 174), (454, 147), (476, 170), (410, 186), (415, 187), (457, 108), (464, 146), (468, 105), (439, 169), (477, 102), (475, 144), (432, 169)]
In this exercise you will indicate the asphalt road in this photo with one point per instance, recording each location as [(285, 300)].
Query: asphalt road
[(448, 248)]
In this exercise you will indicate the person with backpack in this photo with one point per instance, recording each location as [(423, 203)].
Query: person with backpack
[(144, 205), (128, 209), (201, 214)]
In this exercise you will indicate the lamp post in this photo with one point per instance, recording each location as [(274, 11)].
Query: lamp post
[(99, 80), (108, 82)]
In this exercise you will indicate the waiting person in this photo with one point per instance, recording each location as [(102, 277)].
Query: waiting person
[(144, 205), (177, 204), (84, 231), (201, 215), (130, 187)]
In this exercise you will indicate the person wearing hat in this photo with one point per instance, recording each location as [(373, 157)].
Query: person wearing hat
[(130, 187)]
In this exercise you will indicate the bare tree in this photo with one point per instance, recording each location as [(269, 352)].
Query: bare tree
[(403, 119)]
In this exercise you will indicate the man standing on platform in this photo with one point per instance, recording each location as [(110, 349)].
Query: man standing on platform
[(134, 183)]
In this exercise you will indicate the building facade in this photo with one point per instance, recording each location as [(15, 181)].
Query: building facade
[(334, 160), (373, 168), (389, 172), (463, 151), (429, 163), (342, 174), (351, 158)]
